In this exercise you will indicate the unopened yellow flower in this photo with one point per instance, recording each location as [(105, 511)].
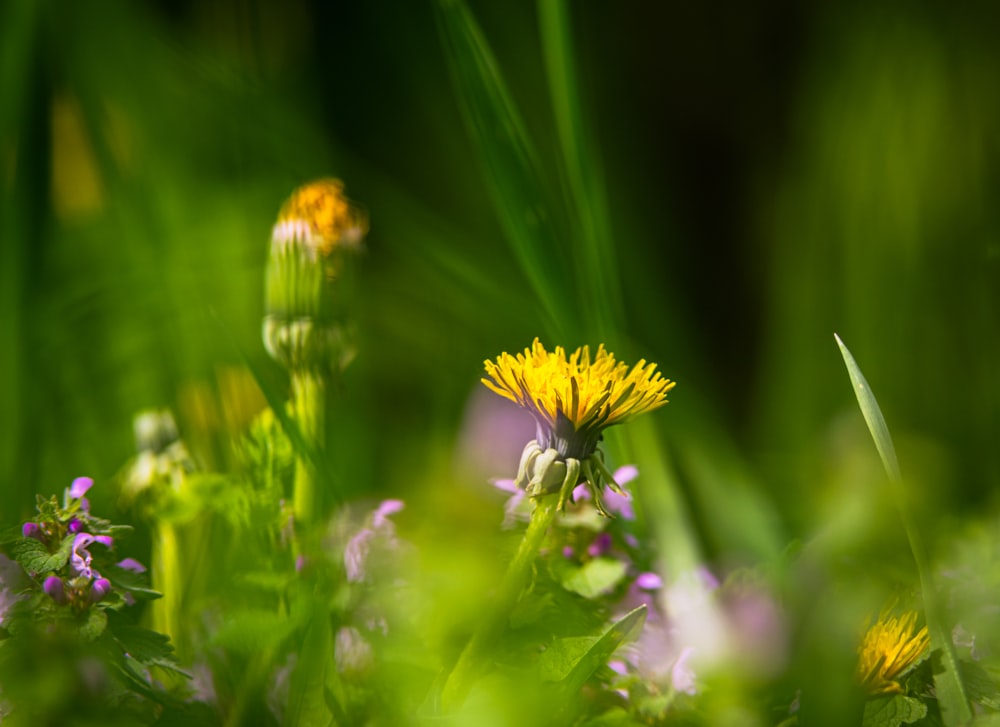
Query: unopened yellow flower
[(890, 648), (319, 214), (573, 400)]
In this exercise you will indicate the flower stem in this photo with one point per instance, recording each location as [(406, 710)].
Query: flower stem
[(470, 663), (308, 402), (166, 577)]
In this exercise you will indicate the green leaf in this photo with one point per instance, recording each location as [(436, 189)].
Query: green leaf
[(147, 647), (951, 691), (307, 700), (893, 711), (872, 413), (981, 687), (595, 577), (135, 583), (34, 557), (559, 659), (598, 653), (94, 623)]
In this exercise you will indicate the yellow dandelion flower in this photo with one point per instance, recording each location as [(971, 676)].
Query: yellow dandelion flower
[(319, 214), (573, 400), (890, 648)]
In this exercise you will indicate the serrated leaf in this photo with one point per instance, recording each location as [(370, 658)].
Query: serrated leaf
[(147, 647), (981, 687), (34, 557), (892, 711), (595, 577), (94, 623)]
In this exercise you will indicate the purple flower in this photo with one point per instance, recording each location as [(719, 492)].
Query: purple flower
[(681, 674), (80, 560), (99, 589), (600, 546), (351, 652), (568, 551), (513, 509), (32, 530), (79, 487), (380, 518), (106, 540), (649, 581), (356, 553), (131, 564), (616, 504), (75, 526), (56, 589)]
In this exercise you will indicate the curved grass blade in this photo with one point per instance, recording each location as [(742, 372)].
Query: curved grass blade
[(520, 196), (589, 208), (951, 692)]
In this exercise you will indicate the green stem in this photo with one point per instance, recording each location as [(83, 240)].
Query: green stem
[(166, 611), (308, 402), (470, 663)]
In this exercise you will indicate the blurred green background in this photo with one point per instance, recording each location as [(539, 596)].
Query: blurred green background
[(772, 173)]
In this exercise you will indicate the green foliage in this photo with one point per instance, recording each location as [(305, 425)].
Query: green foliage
[(34, 556), (892, 711), (594, 578)]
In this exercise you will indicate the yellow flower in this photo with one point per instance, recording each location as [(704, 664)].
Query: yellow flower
[(573, 400), (890, 648), (319, 214), (576, 397)]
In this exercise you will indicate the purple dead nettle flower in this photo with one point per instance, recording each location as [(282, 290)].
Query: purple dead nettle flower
[(681, 626), (131, 564), (381, 530), (99, 589), (32, 530), (81, 560), (79, 487), (56, 589), (351, 652), (613, 502)]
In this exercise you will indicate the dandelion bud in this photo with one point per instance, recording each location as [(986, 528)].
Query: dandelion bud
[(99, 589), (310, 278), (55, 588)]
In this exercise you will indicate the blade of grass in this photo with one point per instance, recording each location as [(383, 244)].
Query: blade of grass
[(951, 692), (588, 202), (520, 197)]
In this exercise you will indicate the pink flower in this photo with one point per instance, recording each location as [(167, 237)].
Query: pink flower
[(79, 487)]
